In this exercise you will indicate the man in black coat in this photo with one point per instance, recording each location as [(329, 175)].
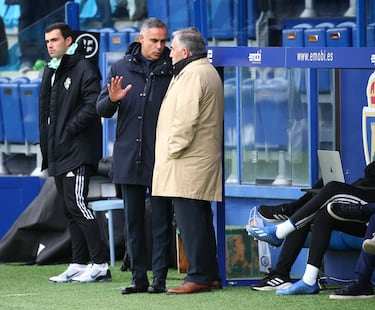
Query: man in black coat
[(70, 141), (147, 67)]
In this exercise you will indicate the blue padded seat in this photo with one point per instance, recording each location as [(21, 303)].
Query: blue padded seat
[(29, 93)]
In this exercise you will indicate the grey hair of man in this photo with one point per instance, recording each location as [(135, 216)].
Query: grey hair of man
[(191, 39), (152, 22)]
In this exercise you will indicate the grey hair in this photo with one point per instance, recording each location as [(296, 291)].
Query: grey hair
[(152, 22), (191, 39)]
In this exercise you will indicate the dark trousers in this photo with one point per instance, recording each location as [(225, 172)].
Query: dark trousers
[(161, 218), (194, 220), (331, 191), (87, 244), (290, 250), (321, 230), (366, 261)]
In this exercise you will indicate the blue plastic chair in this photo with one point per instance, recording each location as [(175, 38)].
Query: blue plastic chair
[(12, 110), (29, 93)]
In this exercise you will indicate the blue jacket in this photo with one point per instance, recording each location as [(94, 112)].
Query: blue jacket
[(133, 151)]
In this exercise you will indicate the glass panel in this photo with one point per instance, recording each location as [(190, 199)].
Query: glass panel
[(230, 126)]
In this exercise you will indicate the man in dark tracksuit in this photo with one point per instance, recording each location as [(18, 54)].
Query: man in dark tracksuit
[(147, 67), (70, 141)]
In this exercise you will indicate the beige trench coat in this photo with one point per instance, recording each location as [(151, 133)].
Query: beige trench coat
[(189, 135)]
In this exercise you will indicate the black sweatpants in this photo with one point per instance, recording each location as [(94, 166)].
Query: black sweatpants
[(86, 241)]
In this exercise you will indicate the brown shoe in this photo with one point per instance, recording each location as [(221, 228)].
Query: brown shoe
[(216, 285), (190, 288)]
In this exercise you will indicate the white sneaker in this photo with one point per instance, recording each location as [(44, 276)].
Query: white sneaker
[(369, 245), (67, 276), (94, 273)]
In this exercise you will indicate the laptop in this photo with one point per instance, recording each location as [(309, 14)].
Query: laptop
[(330, 168)]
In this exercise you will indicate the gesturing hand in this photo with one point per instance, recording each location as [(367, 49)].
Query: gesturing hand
[(116, 92)]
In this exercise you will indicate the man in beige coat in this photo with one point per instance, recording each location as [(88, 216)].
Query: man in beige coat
[(188, 155)]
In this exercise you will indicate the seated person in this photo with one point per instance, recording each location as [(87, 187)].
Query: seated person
[(362, 288), (279, 278), (314, 210)]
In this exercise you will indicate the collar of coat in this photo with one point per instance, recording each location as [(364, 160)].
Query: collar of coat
[(178, 66)]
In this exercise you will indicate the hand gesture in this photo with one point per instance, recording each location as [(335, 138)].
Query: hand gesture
[(116, 92)]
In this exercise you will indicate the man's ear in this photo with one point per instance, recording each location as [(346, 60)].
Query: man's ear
[(69, 40)]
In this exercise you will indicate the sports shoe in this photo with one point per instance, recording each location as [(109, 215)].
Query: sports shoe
[(354, 291), (369, 245), (272, 281), (266, 233), (94, 273), (299, 288), (72, 271), (276, 213), (350, 212)]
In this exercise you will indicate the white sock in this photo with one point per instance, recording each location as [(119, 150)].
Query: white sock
[(284, 229), (310, 275)]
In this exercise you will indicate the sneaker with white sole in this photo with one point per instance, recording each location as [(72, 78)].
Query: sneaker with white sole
[(272, 281), (72, 271), (299, 288), (266, 233), (94, 273), (369, 245)]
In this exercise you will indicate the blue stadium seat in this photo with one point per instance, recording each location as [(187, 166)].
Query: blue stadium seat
[(271, 102), (29, 93), (118, 41), (159, 9), (316, 36), (294, 37), (3, 80), (220, 19), (341, 35), (12, 111), (178, 14)]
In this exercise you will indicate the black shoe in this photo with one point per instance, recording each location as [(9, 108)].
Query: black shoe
[(354, 291), (350, 212), (137, 286), (157, 286), (272, 282), (276, 213)]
